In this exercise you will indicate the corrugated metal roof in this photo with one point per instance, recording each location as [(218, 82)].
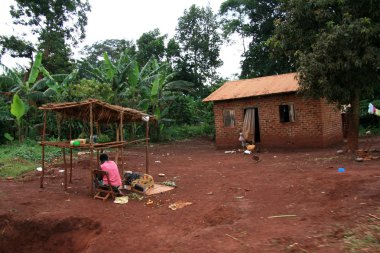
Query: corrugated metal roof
[(255, 87)]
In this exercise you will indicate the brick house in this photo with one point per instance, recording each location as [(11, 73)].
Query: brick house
[(268, 111)]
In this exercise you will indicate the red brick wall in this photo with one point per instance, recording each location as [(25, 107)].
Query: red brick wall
[(332, 127), (316, 124)]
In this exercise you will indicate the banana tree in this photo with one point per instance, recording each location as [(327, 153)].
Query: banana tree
[(12, 80), (15, 82), (114, 74), (162, 92), (18, 109), (56, 88)]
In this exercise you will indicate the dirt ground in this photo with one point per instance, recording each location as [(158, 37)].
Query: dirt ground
[(233, 198)]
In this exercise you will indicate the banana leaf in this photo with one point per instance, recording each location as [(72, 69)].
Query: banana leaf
[(35, 69), (18, 107)]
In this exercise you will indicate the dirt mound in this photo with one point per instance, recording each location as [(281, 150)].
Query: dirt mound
[(221, 216), (71, 234)]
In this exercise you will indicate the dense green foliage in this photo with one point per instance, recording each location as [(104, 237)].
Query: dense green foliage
[(336, 46), (57, 24), (113, 47), (197, 42), (150, 45), (17, 159), (254, 21)]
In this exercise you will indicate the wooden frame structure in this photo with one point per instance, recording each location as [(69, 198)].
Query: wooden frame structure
[(99, 112)]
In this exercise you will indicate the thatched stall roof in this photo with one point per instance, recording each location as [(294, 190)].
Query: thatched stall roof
[(102, 111), (94, 111)]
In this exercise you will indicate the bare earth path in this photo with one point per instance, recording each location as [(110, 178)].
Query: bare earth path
[(232, 198)]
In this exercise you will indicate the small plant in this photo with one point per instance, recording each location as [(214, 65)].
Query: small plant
[(102, 138), (186, 131), (18, 159), (8, 137)]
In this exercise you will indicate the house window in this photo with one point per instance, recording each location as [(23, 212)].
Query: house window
[(229, 118), (287, 113)]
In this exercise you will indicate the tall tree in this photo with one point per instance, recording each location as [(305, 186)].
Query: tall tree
[(198, 43), (150, 45), (16, 47), (58, 25), (113, 47), (337, 48), (254, 20), (93, 54)]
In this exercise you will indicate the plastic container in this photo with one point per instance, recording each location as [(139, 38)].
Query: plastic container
[(77, 142), (341, 170)]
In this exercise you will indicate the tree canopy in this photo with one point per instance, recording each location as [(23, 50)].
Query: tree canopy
[(58, 25), (198, 40), (254, 22), (113, 47), (150, 45), (336, 45)]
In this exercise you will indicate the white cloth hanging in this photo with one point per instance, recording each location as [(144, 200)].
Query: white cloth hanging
[(249, 125)]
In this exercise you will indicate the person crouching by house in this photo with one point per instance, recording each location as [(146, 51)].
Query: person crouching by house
[(113, 172)]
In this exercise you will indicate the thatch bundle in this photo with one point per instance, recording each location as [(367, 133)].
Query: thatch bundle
[(102, 112)]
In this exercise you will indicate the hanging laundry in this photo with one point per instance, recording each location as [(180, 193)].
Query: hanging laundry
[(371, 108)]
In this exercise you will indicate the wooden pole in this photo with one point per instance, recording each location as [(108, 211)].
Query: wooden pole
[(65, 164), (121, 149), (43, 153), (91, 126), (146, 147), (91, 151), (91, 172), (117, 139), (97, 157), (97, 128), (71, 164), (70, 137)]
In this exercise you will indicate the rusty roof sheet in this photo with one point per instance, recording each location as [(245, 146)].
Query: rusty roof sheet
[(255, 87)]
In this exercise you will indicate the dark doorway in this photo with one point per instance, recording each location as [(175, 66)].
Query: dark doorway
[(251, 124), (257, 125)]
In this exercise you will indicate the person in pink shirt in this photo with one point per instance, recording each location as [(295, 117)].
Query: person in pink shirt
[(113, 171)]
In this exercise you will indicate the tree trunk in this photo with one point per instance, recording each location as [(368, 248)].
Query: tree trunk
[(353, 123)]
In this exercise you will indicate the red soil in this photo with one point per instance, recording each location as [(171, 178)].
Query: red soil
[(232, 197)]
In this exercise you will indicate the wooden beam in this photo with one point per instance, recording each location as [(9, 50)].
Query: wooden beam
[(117, 139), (91, 152), (121, 148), (65, 164), (146, 148), (91, 126), (71, 165), (43, 153)]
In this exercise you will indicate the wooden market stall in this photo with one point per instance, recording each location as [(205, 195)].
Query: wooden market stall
[(95, 113)]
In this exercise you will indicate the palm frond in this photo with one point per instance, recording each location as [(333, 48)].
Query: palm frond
[(40, 85), (70, 77), (6, 83), (36, 96), (180, 85), (49, 93), (11, 74)]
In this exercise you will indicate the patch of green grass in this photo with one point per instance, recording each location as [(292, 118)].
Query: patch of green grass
[(364, 238), (186, 131), (17, 159)]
